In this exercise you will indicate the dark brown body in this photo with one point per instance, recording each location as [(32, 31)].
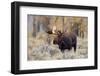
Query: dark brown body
[(66, 41)]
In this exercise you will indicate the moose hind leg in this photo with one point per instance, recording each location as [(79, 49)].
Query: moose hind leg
[(74, 47)]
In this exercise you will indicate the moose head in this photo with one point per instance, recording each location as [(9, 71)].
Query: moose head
[(58, 37)]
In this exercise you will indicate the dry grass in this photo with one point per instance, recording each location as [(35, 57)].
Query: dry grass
[(39, 49)]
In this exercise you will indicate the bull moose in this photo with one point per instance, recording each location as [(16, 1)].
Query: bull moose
[(66, 41)]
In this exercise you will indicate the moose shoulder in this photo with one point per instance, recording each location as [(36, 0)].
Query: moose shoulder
[(66, 41)]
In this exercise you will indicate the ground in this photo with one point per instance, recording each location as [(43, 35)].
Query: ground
[(39, 49)]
